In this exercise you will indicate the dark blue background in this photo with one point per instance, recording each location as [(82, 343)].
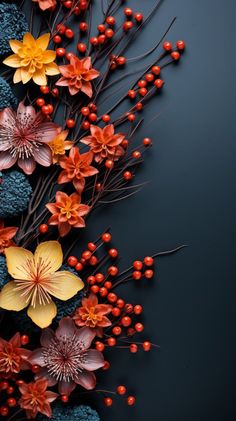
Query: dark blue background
[(190, 306)]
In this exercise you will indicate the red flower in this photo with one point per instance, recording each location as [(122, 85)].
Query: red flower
[(104, 143), (67, 212), (36, 398), (13, 358), (6, 235), (77, 75), (92, 314), (76, 167)]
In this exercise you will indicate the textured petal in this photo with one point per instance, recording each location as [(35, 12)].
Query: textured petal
[(50, 255), (28, 165), (43, 156), (10, 299), (17, 76), (29, 39), (66, 329), (40, 78), (64, 228), (65, 285), (86, 88), (86, 336), (52, 69), (43, 41), (42, 315), (37, 357), (18, 262), (86, 379), (51, 396), (49, 56), (93, 360), (25, 75), (65, 388), (15, 45), (12, 61), (6, 160), (47, 336), (44, 374)]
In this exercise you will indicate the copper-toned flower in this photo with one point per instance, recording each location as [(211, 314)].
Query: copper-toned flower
[(66, 357), (93, 314), (104, 143), (46, 4), (23, 138), (76, 167), (36, 398), (67, 212), (6, 236), (77, 75), (59, 145), (13, 358)]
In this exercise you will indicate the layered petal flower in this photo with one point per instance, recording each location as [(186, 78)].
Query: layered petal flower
[(66, 357), (13, 358), (104, 143), (77, 75), (6, 236), (35, 280), (24, 138), (67, 212), (46, 4), (76, 167), (32, 59), (59, 145)]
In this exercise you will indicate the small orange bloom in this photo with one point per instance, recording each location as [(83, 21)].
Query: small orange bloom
[(104, 143), (13, 358), (6, 236), (76, 167), (92, 314), (59, 145), (77, 75), (67, 212), (46, 4), (36, 398)]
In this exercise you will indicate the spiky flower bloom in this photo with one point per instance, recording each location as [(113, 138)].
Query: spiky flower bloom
[(77, 75), (36, 398), (36, 279), (76, 167), (23, 138), (104, 143), (13, 358), (59, 145), (66, 357), (6, 236), (32, 59)]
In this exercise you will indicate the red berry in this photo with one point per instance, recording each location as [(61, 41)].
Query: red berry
[(44, 89), (147, 141), (43, 228), (86, 254), (120, 303), (159, 83), (142, 91), (81, 47), (113, 270), (92, 117), (94, 289), (138, 309), (146, 346), (83, 26), (79, 267), (108, 285), (121, 390), (156, 70), (11, 402), (167, 46), (24, 339), (55, 92), (99, 277), (139, 106), (106, 118), (113, 253), (137, 275), (91, 280), (131, 400), (133, 348), (61, 28), (108, 401), (137, 265), (142, 83), (57, 39), (148, 274), (180, 45), (103, 291), (60, 52), (131, 94), (93, 261), (4, 410), (92, 246), (131, 117), (99, 346), (101, 28), (70, 123), (136, 154), (109, 164), (110, 20), (175, 55), (148, 261), (149, 77), (109, 33), (111, 341), (64, 398), (116, 312), (72, 261), (138, 17), (127, 175), (106, 237), (86, 125), (127, 25), (128, 12), (121, 61), (139, 327), (112, 298), (116, 330), (126, 321), (94, 41), (40, 102)]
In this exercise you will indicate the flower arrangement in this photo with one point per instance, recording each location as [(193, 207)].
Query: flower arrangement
[(63, 154)]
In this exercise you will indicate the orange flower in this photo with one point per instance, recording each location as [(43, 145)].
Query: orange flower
[(77, 75), (6, 235), (104, 143), (46, 4), (36, 398), (92, 314), (67, 212), (13, 358), (76, 167), (59, 145)]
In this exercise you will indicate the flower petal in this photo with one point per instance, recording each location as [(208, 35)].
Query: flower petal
[(47, 336), (49, 254), (28, 165), (37, 357), (86, 336), (93, 360), (65, 285), (65, 388), (17, 76), (86, 379), (52, 69), (66, 329), (49, 56), (15, 45), (43, 41), (42, 315), (6, 160), (43, 156), (12, 61), (19, 262), (10, 299), (40, 78)]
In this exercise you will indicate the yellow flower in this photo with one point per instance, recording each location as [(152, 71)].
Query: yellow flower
[(59, 145), (35, 280), (32, 60)]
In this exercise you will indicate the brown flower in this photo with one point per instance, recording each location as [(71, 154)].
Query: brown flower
[(77, 75), (104, 143), (13, 358), (76, 167), (36, 398)]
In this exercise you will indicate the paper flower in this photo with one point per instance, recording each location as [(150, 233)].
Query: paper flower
[(24, 135), (32, 59), (36, 398), (76, 168), (59, 145), (66, 357), (13, 25), (67, 212), (72, 413), (15, 193), (92, 314), (6, 236), (77, 75), (36, 279), (104, 143), (46, 4), (13, 358), (7, 98)]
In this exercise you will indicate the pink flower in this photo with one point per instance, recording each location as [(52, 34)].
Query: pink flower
[(46, 4), (66, 357), (13, 358), (24, 135), (77, 75)]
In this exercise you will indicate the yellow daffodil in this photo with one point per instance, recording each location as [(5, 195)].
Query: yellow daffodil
[(59, 145), (35, 279), (32, 59)]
